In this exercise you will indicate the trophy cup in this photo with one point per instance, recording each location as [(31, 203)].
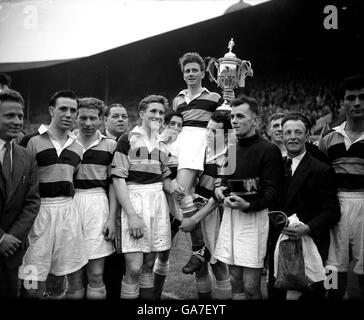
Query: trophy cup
[(231, 72)]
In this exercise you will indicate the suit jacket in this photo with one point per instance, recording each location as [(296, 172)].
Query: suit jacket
[(311, 193), (19, 208)]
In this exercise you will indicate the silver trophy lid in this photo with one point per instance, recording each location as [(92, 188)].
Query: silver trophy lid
[(230, 54)]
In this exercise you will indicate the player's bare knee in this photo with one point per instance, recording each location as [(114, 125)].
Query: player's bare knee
[(134, 273), (76, 280), (220, 270), (148, 263), (234, 275), (252, 289), (203, 272), (163, 256), (237, 284), (95, 277), (35, 291), (148, 267)]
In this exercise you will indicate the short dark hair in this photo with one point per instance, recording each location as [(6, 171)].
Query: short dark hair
[(191, 57), (252, 102), (170, 114), (143, 104), (11, 95), (350, 83), (5, 79), (275, 116), (224, 118), (296, 116), (62, 94), (113, 105), (91, 103)]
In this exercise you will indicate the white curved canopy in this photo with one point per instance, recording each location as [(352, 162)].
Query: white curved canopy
[(45, 32)]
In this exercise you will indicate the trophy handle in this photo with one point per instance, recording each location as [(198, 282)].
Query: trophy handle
[(211, 68), (245, 71)]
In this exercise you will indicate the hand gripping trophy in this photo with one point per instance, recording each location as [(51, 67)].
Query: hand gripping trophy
[(231, 72)]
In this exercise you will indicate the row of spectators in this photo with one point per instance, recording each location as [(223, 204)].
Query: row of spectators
[(313, 96)]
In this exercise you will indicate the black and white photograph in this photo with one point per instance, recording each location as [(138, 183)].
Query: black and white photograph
[(172, 157)]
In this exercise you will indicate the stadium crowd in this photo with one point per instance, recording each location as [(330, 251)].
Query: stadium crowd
[(314, 97), (95, 201)]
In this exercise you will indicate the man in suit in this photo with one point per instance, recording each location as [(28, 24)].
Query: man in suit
[(5, 82), (309, 190), (19, 195), (276, 137), (116, 120)]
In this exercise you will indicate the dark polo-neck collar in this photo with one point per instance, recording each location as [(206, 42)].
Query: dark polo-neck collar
[(249, 140)]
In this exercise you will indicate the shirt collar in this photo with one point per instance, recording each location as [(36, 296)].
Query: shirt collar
[(99, 137), (341, 130), (185, 91), (111, 136), (3, 142), (249, 140), (102, 136), (298, 158), (43, 129), (138, 131)]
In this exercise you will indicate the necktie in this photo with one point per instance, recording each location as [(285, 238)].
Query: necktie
[(288, 168), (6, 168)]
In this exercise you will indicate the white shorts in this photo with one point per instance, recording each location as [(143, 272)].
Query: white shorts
[(56, 243), (149, 203), (93, 207), (190, 147), (243, 238), (210, 226), (348, 232)]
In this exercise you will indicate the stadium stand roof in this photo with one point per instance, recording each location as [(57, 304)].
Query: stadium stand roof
[(39, 33), (276, 36)]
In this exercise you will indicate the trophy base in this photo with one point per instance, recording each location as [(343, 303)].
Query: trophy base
[(224, 107)]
